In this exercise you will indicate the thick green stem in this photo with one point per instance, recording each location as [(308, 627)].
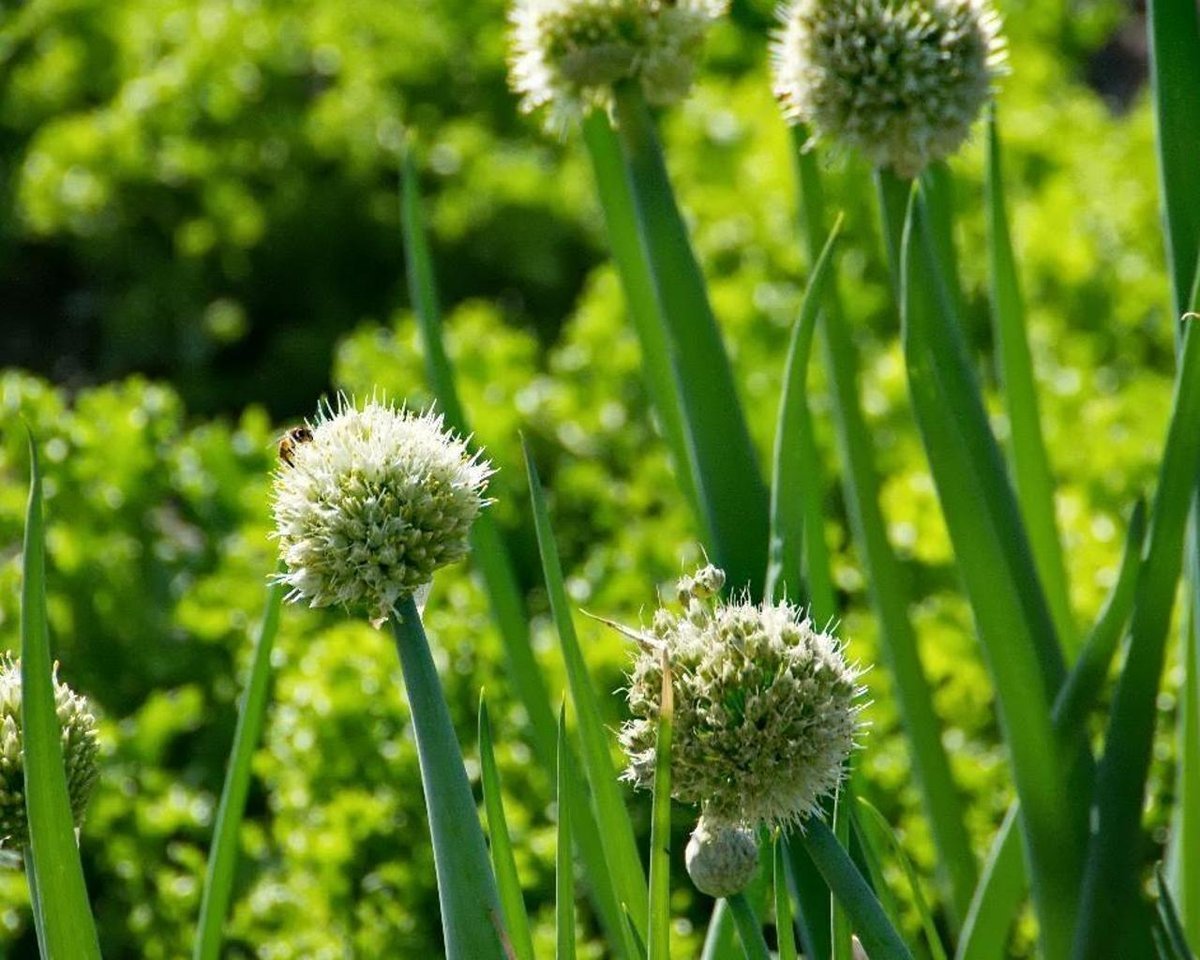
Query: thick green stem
[(879, 938), (620, 217), (885, 579), (749, 928), (728, 476), (467, 893)]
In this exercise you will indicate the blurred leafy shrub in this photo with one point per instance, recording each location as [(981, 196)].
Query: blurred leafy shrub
[(205, 190), (200, 186)]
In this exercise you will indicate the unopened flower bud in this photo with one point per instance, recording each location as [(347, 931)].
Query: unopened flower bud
[(708, 582), (721, 859)]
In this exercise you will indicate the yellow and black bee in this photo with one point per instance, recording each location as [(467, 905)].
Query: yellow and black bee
[(288, 442)]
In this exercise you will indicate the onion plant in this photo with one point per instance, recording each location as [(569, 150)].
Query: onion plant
[(741, 706)]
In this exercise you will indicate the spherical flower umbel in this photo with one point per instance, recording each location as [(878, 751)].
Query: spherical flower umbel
[(901, 80), (568, 54), (720, 859), (79, 748), (766, 708), (371, 504)]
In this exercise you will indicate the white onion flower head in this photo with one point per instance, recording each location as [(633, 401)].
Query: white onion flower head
[(568, 54), (900, 80), (79, 746), (372, 503), (721, 859), (766, 709)]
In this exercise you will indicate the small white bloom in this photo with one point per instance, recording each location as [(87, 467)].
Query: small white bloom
[(568, 54), (373, 504), (901, 80)]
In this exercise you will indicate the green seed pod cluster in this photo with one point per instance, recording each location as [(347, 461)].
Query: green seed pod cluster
[(721, 860), (79, 746), (766, 708), (568, 54), (900, 80), (371, 503)]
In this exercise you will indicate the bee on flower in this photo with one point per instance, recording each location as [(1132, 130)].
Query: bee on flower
[(371, 504)]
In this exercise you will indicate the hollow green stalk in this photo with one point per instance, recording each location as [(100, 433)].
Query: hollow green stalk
[(728, 477), (749, 927), (470, 904), (942, 800)]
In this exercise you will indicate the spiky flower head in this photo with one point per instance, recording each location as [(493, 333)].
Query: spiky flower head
[(371, 503), (721, 859), (901, 80), (79, 748), (765, 707), (568, 54)]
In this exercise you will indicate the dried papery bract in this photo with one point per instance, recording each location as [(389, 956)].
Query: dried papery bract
[(900, 80), (566, 55), (376, 501), (766, 707), (79, 746)]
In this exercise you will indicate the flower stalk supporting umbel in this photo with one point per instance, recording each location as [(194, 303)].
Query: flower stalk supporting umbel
[(471, 919)]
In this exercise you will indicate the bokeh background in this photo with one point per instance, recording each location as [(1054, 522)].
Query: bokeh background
[(199, 237)]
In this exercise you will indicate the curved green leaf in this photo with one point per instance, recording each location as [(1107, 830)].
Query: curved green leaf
[(508, 884), (620, 219), (1111, 899), (223, 854), (620, 847), (794, 504), (936, 950), (754, 944), (67, 929), (1003, 884), (564, 886), (1031, 464), (1011, 617)]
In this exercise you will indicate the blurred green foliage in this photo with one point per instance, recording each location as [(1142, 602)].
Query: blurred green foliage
[(205, 191)]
